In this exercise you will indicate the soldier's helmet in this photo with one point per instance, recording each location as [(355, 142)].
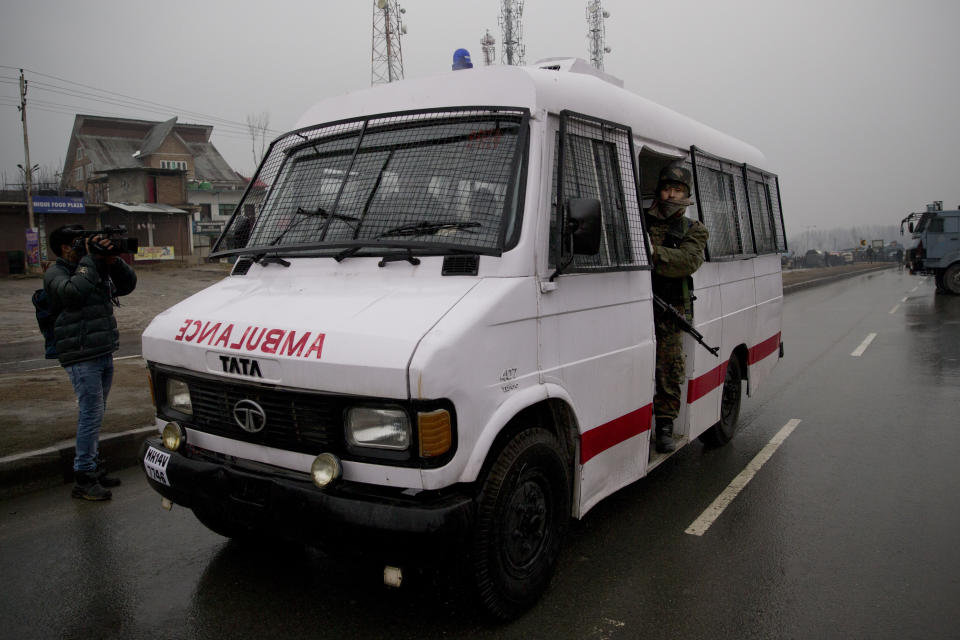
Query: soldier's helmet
[(676, 173)]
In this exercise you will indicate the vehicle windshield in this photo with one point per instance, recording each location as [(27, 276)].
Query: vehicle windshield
[(925, 219), (434, 182)]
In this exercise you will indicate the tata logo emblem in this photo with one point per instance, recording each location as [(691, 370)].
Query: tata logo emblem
[(250, 416)]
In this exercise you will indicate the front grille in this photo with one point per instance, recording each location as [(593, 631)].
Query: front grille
[(296, 421)]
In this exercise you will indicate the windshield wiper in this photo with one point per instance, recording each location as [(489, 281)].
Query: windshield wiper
[(319, 213), (427, 228)]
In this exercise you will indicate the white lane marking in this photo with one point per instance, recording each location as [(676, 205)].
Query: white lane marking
[(905, 298), (914, 289), (894, 310), (711, 513), (863, 345)]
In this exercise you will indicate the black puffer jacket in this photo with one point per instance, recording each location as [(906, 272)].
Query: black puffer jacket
[(85, 327)]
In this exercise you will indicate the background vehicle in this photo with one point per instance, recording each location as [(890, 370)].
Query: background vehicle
[(437, 342), (814, 258), (935, 246)]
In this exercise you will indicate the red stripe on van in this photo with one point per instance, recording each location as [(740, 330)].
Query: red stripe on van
[(764, 349), (699, 387), (601, 438)]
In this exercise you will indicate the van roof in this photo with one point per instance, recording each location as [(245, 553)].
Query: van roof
[(569, 87)]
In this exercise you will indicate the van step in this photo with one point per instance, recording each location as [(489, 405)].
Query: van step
[(656, 458)]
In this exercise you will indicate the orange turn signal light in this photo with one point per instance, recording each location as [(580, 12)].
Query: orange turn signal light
[(436, 433)]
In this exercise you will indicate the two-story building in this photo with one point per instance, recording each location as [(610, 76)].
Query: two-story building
[(160, 179)]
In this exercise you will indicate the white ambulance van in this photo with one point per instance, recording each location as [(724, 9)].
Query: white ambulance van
[(437, 337)]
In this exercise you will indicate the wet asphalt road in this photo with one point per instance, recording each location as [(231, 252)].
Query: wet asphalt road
[(848, 531)]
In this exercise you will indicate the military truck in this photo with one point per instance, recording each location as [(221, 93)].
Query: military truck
[(934, 248)]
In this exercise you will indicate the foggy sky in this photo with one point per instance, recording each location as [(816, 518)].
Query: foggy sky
[(854, 103)]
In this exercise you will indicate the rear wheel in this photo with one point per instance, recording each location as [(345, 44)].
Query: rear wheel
[(722, 432), (951, 279), (522, 515)]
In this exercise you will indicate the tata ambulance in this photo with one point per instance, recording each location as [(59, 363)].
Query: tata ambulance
[(437, 337)]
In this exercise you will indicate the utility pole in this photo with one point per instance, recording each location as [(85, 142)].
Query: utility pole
[(28, 168)]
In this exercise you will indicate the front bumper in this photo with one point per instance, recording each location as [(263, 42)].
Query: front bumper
[(284, 504)]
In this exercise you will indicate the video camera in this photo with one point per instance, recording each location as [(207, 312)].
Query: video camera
[(119, 243)]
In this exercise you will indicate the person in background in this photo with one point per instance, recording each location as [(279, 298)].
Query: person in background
[(83, 286)]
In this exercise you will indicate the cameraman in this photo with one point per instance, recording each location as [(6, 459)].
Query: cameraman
[(83, 286)]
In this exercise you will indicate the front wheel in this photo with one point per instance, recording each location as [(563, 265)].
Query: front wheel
[(722, 432), (522, 515), (951, 279)]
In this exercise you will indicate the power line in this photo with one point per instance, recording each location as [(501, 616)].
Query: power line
[(71, 110), (138, 102)]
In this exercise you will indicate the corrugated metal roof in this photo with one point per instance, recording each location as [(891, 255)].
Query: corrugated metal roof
[(209, 165), (157, 135), (144, 207), (110, 153)]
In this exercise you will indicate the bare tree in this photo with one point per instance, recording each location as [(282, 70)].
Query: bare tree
[(258, 125)]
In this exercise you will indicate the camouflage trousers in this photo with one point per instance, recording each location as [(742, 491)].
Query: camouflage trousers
[(671, 369)]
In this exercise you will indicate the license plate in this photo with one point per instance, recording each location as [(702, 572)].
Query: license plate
[(155, 464)]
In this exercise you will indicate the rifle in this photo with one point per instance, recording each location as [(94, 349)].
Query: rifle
[(662, 305)]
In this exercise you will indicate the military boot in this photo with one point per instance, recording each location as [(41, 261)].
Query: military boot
[(87, 487), (664, 435)]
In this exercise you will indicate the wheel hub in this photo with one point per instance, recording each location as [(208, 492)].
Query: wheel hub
[(526, 523)]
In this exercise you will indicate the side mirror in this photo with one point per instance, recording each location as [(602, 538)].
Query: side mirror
[(583, 225), (910, 227)]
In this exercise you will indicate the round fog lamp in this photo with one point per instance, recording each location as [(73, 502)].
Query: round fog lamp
[(325, 469), (173, 436)]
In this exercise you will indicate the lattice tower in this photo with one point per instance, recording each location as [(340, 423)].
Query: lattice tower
[(488, 46), (511, 26), (597, 32), (386, 63)]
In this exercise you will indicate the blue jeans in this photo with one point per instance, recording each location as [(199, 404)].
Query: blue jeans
[(91, 381)]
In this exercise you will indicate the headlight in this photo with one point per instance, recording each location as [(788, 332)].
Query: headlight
[(173, 436), (178, 396), (325, 469), (377, 428)]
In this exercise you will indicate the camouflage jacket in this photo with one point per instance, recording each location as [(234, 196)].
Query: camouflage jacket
[(677, 244)]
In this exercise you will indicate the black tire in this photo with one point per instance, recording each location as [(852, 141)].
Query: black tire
[(722, 432), (951, 279), (523, 511)]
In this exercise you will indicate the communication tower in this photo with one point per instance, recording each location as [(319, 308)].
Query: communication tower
[(387, 54), (597, 32), (511, 14), (488, 46)]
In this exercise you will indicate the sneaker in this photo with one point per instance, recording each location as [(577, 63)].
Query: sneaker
[(86, 487)]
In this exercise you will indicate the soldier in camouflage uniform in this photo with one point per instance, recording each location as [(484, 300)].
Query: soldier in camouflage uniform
[(677, 243)]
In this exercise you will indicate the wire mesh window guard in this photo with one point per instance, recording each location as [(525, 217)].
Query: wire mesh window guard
[(598, 163), (740, 207), (436, 181)]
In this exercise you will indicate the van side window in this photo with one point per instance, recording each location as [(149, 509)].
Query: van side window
[(598, 164), (935, 226), (723, 213), (740, 207), (952, 225)]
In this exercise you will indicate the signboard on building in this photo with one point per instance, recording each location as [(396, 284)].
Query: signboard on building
[(155, 253), (208, 227), (58, 204), (877, 244)]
